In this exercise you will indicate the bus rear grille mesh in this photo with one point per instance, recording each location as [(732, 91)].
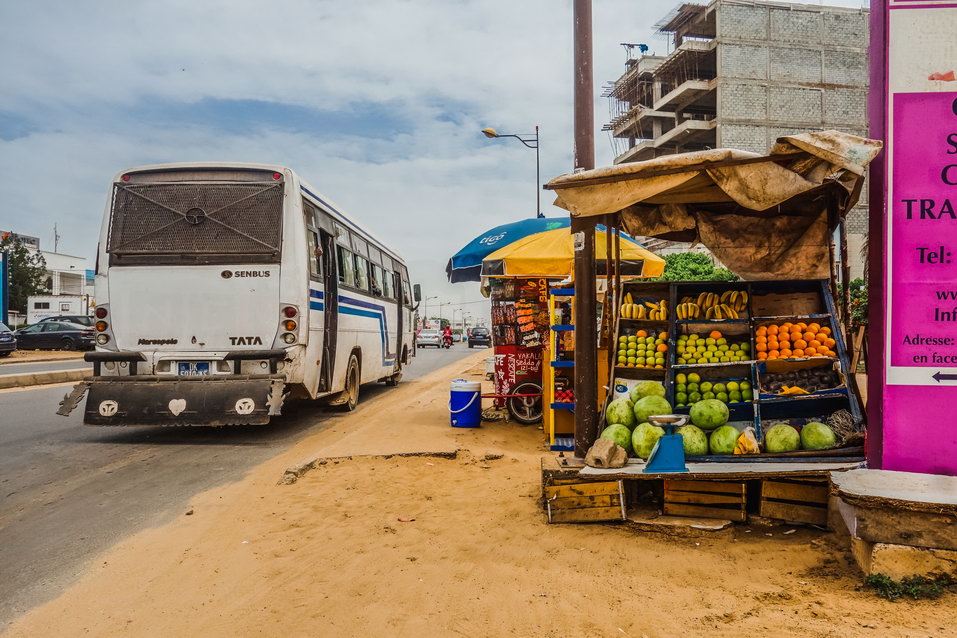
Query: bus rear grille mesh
[(196, 219)]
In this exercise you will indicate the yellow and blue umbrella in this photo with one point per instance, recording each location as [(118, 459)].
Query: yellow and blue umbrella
[(551, 254), (466, 265)]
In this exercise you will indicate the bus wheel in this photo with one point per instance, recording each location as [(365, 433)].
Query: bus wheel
[(350, 394)]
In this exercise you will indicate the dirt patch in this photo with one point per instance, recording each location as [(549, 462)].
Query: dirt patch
[(434, 546)]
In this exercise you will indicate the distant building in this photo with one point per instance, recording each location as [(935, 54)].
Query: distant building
[(27, 240), (742, 73)]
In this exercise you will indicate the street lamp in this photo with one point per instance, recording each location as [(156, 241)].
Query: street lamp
[(531, 141), (425, 309)]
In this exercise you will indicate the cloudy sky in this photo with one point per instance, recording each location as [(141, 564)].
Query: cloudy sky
[(377, 103)]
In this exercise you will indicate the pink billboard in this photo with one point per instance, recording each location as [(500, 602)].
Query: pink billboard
[(912, 420)]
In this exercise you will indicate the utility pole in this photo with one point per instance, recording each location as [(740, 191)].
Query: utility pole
[(586, 332)]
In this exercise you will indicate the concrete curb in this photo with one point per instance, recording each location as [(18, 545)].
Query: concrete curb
[(17, 362), (42, 378)]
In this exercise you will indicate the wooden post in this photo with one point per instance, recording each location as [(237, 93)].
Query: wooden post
[(586, 333)]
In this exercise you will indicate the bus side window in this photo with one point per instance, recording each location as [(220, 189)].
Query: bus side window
[(362, 273), (388, 285), (376, 280), (406, 293), (347, 271), (313, 257)]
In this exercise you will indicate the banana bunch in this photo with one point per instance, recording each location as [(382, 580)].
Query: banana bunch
[(688, 309), (710, 305), (647, 310), (721, 311), (737, 300)]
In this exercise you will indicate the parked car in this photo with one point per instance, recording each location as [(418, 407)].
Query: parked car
[(8, 342), (55, 335), (82, 320), (429, 337), (480, 337)]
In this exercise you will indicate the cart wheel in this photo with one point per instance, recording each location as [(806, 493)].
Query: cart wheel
[(525, 410)]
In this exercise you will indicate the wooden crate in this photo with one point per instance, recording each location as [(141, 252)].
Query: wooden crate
[(800, 501), (585, 502), (705, 499)]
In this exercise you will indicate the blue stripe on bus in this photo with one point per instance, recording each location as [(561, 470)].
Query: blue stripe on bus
[(377, 312), (315, 293), (315, 305)]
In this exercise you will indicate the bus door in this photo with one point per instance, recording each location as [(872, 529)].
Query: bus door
[(399, 319), (330, 334)]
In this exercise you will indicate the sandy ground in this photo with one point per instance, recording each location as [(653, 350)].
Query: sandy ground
[(427, 546)]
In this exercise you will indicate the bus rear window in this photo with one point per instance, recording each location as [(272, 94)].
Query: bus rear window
[(159, 222)]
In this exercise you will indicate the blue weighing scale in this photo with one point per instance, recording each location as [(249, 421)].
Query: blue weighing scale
[(668, 455)]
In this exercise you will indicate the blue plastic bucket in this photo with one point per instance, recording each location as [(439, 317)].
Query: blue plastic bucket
[(465, 404)]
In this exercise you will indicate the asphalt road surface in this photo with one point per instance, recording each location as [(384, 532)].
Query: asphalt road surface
[(69, 491)]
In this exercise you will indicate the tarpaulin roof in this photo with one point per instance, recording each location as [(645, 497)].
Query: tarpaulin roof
[(762, 216), (552, 254)]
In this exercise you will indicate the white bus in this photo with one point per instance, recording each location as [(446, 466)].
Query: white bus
[(223, 288)]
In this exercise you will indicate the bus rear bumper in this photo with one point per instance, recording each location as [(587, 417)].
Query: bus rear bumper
[(157, 400)]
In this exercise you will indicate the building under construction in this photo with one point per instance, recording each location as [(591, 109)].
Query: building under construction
[(740, 74)]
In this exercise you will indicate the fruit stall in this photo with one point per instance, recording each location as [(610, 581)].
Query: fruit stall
[(532, 329), (755, 373)]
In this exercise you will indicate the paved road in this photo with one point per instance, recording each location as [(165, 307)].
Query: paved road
[(68, 492), (42, 366)]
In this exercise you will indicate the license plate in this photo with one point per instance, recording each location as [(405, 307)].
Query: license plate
[(193, 368)]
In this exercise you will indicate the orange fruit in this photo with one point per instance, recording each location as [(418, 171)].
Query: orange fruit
[(760, 339), (826, 331), (798, 353), (800, 344), (715, 334), (810, 352), (641, 333), (808, 336), (761, 331), (830, 343), (785, 344), (814, 343), (785, 353), (795, 334), (761, 347), (772, 330), (802, 326), (662, 347), (774, 354), (814, 328), (762, 356), (786, 327)]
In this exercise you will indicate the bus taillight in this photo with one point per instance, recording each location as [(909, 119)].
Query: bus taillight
[(101, 313), (101, 326), (290, 312), (289, 325)]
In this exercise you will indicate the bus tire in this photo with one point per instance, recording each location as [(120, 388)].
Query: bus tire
[(350, 395)]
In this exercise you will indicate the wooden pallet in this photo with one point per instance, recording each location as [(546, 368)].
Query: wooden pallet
[(705, 499), (800, 501), (585, 502)]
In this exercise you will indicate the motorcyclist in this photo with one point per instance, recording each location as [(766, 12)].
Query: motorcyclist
[(447, 335)]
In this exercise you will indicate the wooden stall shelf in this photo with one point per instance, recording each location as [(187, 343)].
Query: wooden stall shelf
[(585, 502), (705, 499), (798, 501)]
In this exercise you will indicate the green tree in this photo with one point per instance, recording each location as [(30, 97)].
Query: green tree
[(27, 272), (694, 267)]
